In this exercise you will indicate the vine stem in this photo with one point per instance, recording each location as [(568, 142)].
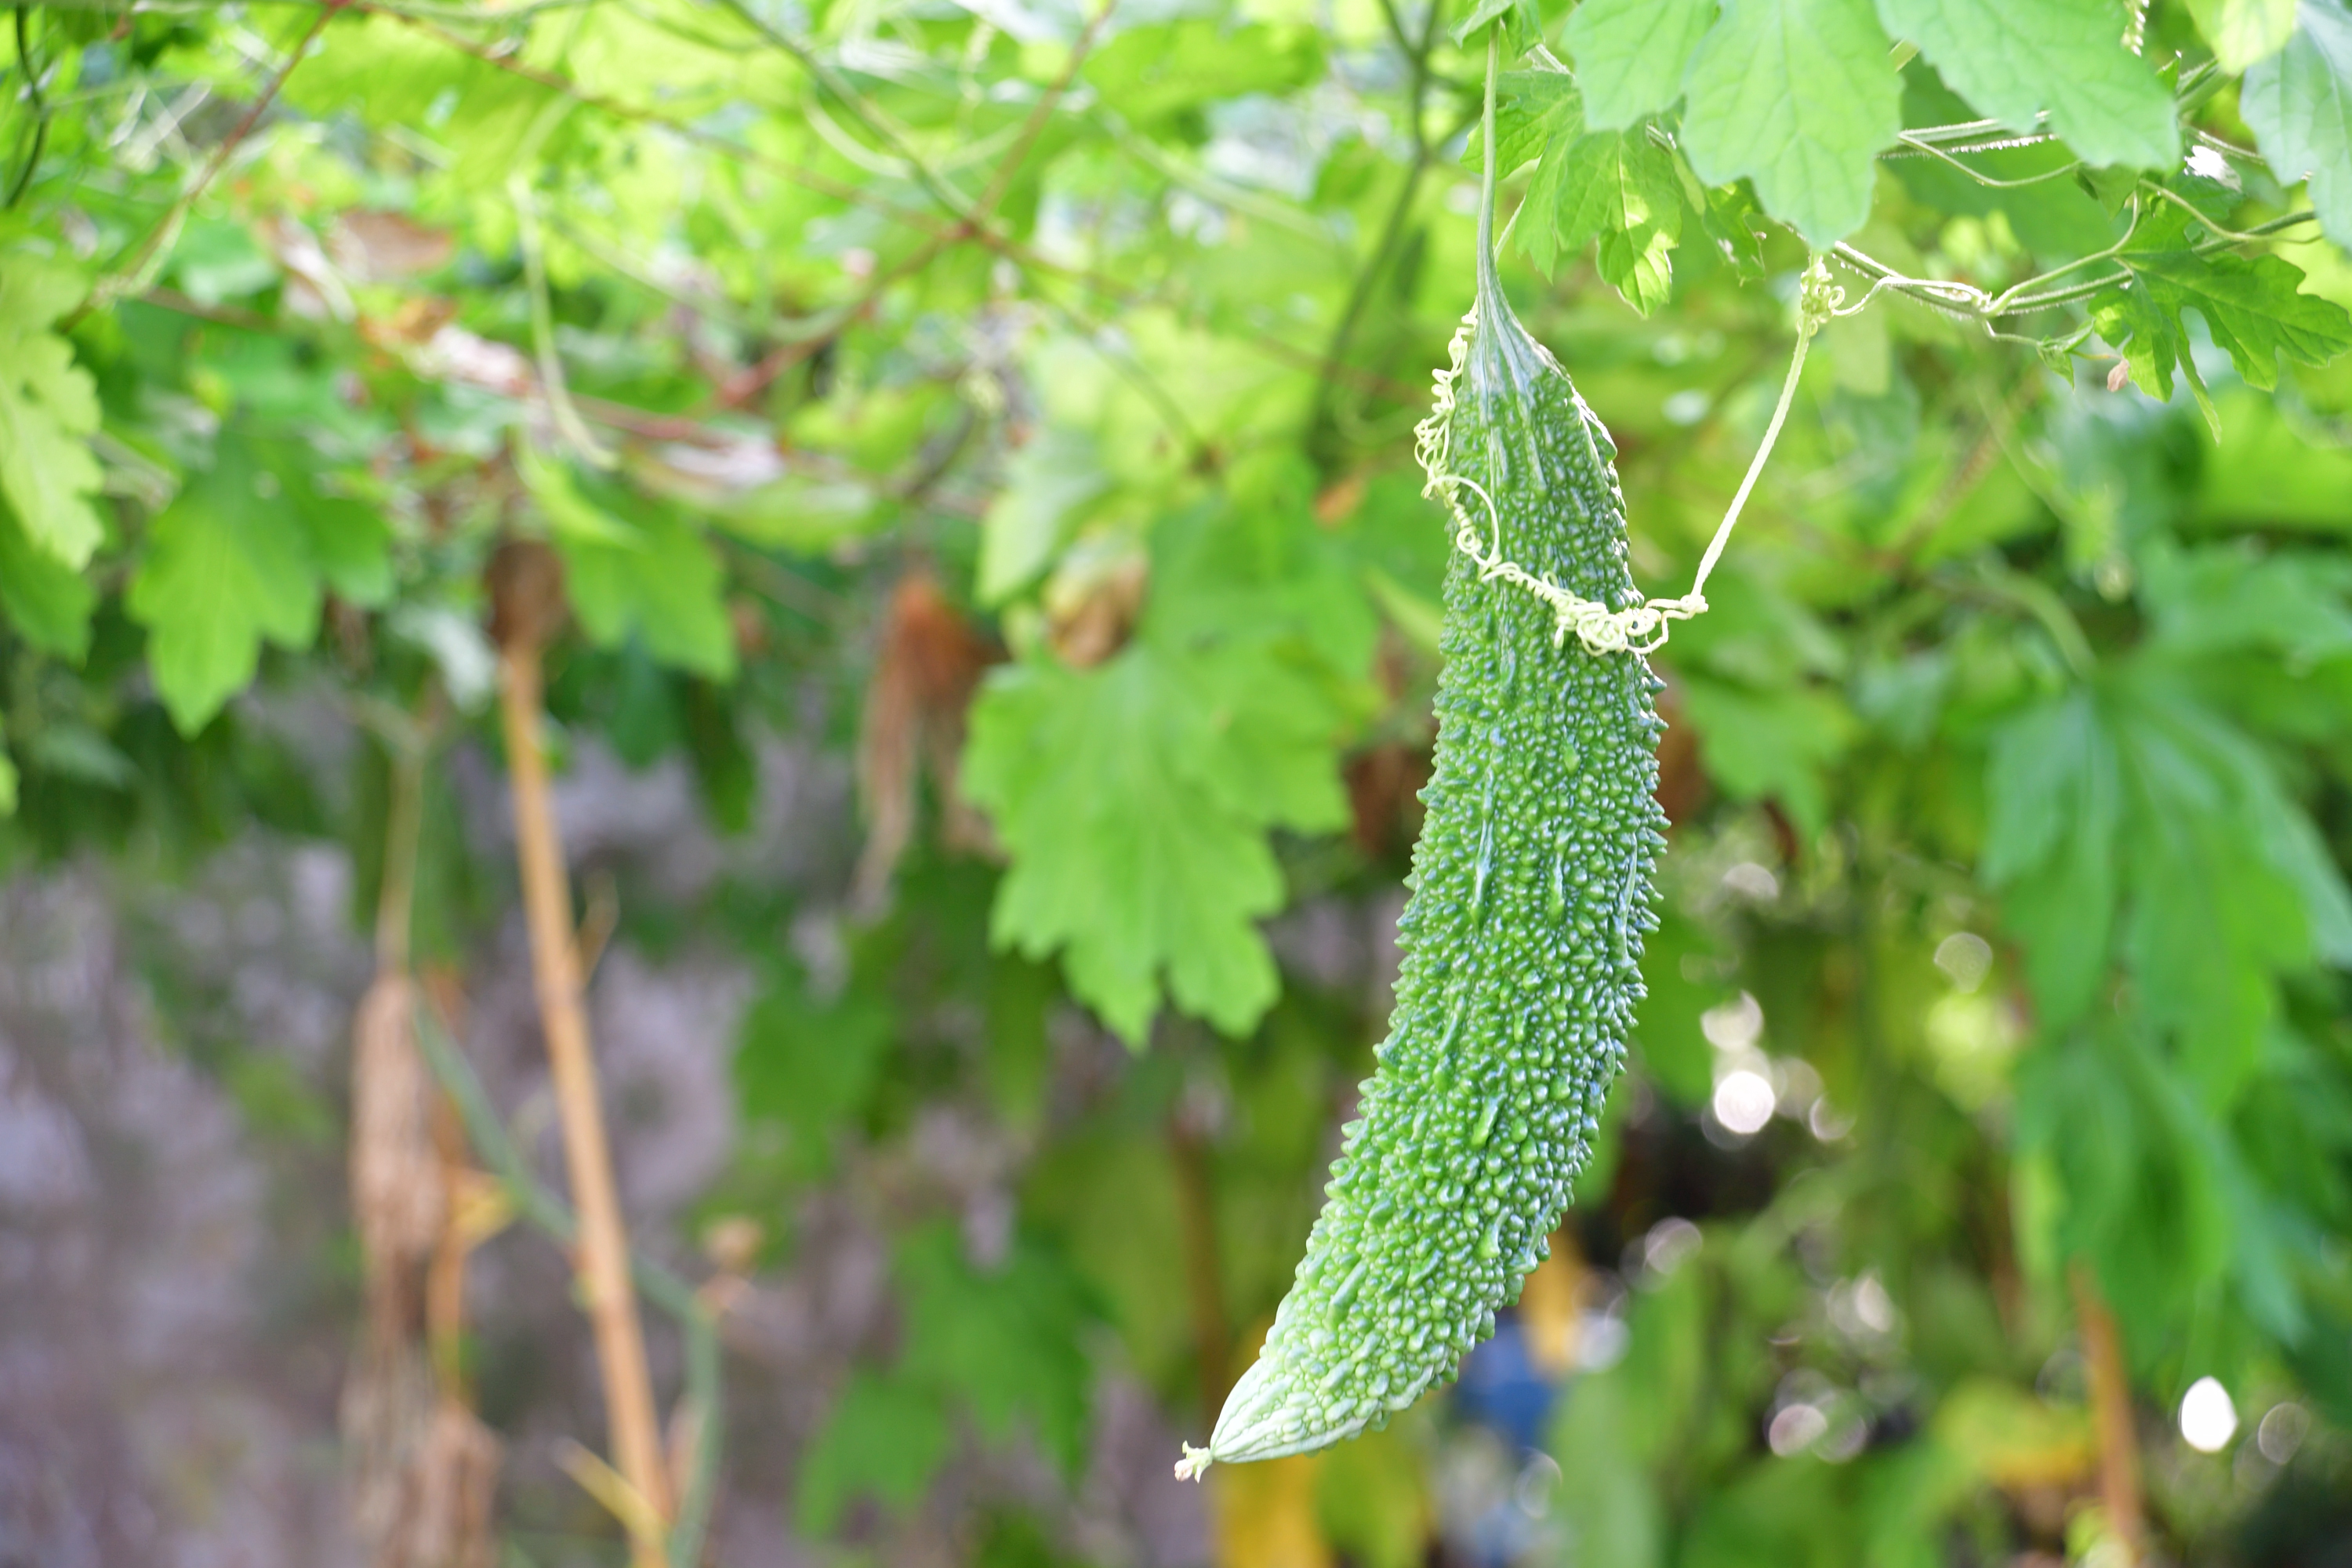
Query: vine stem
[(1816, 302), (41, 112), (526, 596), (560, 406), (696, 1311), (1487, 131)]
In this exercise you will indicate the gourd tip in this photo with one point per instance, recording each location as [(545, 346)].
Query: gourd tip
[(1194, 1461)]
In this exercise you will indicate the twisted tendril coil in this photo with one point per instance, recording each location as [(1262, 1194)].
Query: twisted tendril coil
[(1643, 627)]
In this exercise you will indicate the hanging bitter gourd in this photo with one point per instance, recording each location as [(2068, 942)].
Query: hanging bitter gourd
[(1521, 942)]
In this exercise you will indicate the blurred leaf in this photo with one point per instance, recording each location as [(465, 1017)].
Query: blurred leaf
[(883, 1439), (46, 601), (2244, 31), (2054, 799), (1171, 761), (1154, 72), (1629, 54), (1771, 745), (2012, 1438), (228, 566), (1605, 1493), (1045, 484), (2298, 102), (2226, 598), (1008, 1340), (1799, 96), (2011, 58), (1372, 1499), (1169, 765), (48, 407), (1673, 1048), (812, 1066), (632, 569)]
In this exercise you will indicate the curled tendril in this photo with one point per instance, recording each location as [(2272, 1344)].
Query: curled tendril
[(1602, 630), (1643, 627)]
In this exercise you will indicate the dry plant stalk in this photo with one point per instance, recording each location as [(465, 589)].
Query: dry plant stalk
[(423, 1469), (2119, 1487), (526, 589)]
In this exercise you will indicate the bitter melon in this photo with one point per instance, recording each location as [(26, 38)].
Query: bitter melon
[(1521, 940)]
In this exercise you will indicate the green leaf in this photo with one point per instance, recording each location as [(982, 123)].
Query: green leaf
[(1134, 799), (1640, 265), (1617, 181), (1629, 54), (1008, 1340), (1799, 96), (884, 1438), (2131, 810), (1621, 188), (2013, 57), (48, 407), (348, 541), (1522, 25), (2244, 32), (228, 566), (1047, 483), (812, 1067), (1257, 571), (1530, 108), (634, 567), (2298, 104), (1153, 73), (1771, 745), (2136, 1160), (2054, 804), (48, 602), (2233, 598), (2251, 305)]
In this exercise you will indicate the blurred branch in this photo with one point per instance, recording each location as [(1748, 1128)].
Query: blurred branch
[(830, 82), (527, 607), (665, 1289), (128, 274), (1035, 125), (1359, 295), (40, 110), (2119, 1484)]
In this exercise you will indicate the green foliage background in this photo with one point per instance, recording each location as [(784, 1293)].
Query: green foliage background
[(2011, 768)]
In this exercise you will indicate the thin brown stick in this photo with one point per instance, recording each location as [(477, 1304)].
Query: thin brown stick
[(526, 595), (2119, 1486)]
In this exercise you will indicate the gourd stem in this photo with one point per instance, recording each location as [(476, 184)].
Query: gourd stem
[(1487, 174)]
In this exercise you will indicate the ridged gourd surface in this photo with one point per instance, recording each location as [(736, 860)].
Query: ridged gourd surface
[(1521, 942)]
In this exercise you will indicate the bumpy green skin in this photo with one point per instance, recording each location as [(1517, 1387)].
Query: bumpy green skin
[(1530, 894)]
